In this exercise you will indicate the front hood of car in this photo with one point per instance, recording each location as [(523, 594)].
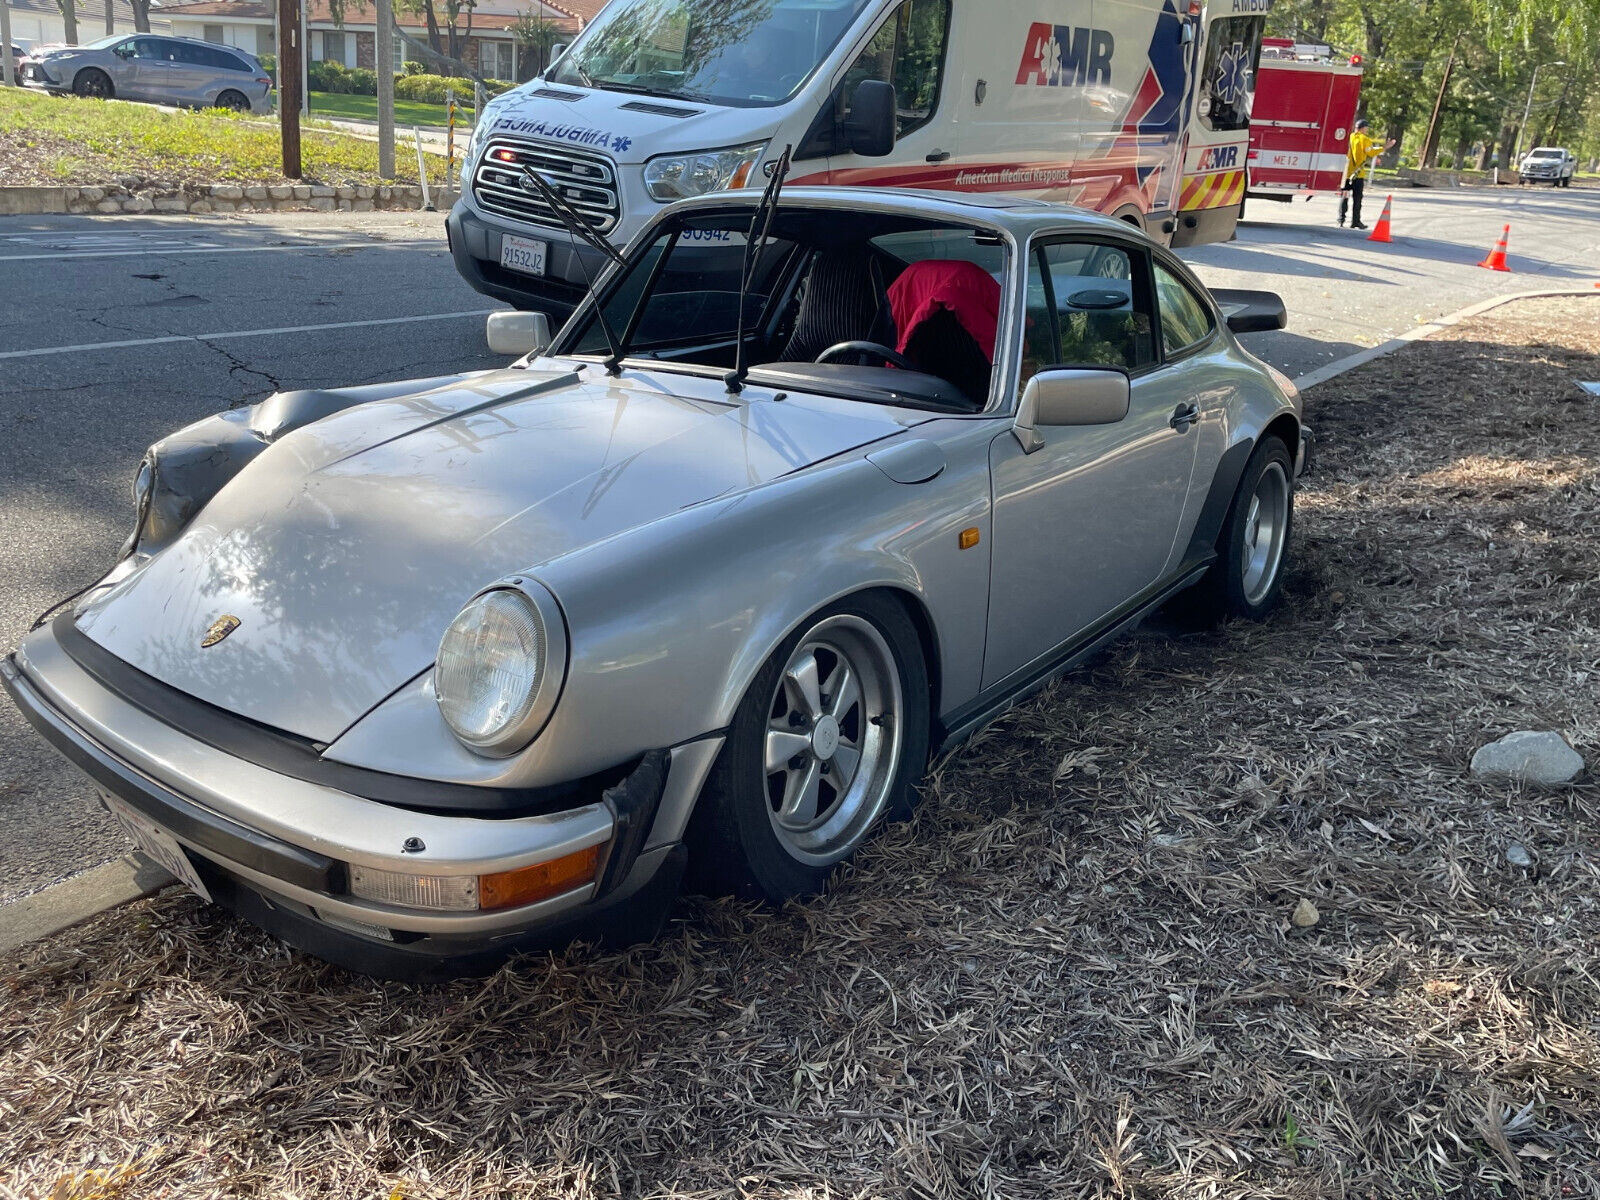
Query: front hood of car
[(345, 549)]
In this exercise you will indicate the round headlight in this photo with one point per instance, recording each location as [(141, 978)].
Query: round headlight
[(497, 671)]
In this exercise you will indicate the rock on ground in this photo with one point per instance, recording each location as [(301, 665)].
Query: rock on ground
[(1529, 756)]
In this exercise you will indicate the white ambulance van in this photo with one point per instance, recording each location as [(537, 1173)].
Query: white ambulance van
[(1137, 108)]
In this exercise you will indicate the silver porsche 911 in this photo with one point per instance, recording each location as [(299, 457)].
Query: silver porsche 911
[(418, 674)]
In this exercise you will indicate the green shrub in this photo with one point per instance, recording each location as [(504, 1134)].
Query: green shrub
[(431, 89), (269, 62), (363, 82), (413, 67)]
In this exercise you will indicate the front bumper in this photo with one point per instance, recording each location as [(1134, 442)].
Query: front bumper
[(475, 246), (277, 849)]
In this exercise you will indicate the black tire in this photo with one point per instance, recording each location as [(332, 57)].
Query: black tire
[(1225, 591), (93, 83), (233, 101), (734, 845)]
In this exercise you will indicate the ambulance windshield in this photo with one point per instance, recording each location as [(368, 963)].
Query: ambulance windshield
[(745, 53)]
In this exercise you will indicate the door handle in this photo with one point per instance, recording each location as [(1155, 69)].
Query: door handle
[(1184, 416), (937, 156)]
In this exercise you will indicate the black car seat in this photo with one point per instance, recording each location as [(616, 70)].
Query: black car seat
[(844, 300)]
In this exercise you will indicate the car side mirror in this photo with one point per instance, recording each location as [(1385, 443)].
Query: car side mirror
[(1071, 396), (519, 333), (557, 49), (1248, 311), (871, 125)]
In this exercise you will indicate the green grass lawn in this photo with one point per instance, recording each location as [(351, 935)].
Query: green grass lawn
[(406, 112), (47, 140)]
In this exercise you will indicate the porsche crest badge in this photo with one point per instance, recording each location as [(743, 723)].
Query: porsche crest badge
[(220, 628)]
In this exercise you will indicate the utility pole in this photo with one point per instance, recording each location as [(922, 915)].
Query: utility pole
[(383, 59), (1430, 144), (1527, 109), (291, 83), (8, 69)]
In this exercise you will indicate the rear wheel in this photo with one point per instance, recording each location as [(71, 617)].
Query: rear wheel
[(831, 737), (233, 101), (1247, 578), (93, 82)]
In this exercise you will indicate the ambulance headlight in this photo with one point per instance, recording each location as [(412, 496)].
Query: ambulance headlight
[(677, 176)]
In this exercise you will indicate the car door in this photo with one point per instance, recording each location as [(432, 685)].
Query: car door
[(143, 70), (1085, 525)]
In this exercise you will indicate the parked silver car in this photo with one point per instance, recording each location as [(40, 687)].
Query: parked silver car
[(155, 68), (415, 674)]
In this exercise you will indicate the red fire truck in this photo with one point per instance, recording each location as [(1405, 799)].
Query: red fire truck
[(1301, 119)]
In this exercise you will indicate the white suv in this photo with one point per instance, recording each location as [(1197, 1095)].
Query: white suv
[(1547, 164)]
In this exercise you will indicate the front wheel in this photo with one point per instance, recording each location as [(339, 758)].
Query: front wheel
[(1247, 578), (94, 83), (831, 736)]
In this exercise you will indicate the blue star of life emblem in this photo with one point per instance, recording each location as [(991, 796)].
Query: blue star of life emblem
[(1232, 71)]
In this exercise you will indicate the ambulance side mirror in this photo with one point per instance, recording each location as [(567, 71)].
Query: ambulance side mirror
[(1186, 34), (870, 127)]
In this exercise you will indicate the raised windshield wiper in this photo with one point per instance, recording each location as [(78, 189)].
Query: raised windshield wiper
[(753, 245), (581, 230)]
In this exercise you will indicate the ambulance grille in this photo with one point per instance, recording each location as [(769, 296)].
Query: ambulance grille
[(587, 181)]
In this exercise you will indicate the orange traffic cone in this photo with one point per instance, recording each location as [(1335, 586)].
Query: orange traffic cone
[(1380, 231), (1497, 257)]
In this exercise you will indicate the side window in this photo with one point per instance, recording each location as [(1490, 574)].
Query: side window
[(1233, 48), (1185, 319), (908, 51), (1088, 305), (145, 48)]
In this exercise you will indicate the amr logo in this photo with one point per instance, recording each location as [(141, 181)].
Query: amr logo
[(1066, 56)]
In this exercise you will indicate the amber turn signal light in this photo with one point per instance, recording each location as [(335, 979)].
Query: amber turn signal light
[(969, 538), (527, 885)]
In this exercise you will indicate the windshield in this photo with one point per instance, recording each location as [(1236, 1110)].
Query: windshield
[(104, 42), (745, 53), (1544, 154), (926, 291)]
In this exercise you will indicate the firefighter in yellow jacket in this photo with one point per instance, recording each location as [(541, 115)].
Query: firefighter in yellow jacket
[(1363, 149)]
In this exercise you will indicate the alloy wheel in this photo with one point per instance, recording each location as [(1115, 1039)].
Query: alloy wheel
[(1266, 522), (833, 739)]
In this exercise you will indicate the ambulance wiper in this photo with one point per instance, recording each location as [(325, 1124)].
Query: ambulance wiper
[(581, 230), (755, 242)]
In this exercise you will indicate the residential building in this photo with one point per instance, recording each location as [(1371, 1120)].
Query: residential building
[(40, 23), (485, 45)]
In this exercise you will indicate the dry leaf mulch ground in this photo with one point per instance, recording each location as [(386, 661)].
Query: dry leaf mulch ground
[(1072, 975)]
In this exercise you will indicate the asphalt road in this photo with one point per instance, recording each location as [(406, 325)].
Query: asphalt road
[(115, 331)]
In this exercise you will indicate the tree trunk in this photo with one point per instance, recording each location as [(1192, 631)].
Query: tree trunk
[(141, 15), (1508, 138), (431, 16), (69, 20), (1486, 154), (1396, 130), (1463, 145), (111, 19)]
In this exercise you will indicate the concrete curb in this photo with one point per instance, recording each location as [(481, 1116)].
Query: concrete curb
[(1351, 361), (75, 900)]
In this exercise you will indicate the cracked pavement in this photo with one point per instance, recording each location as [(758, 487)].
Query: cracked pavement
[(75, 424)]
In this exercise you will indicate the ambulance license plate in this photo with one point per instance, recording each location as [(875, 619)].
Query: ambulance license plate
[(157, 844), (522, 254)]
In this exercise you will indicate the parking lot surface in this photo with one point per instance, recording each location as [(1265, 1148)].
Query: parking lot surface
[(117, 331)]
